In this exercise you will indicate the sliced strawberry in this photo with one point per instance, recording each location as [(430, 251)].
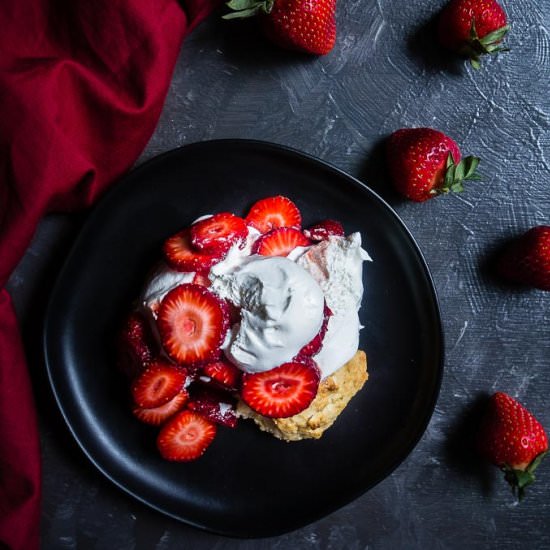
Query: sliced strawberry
[(315, 345), (280, 242), (201, 279), (159, 383), (192, 323), (157, 415), (323, 230), (224, 373), (136, 345), (181, 255), (185, 437), (215, 406), (218, 232), (273, 212), (283, 391)]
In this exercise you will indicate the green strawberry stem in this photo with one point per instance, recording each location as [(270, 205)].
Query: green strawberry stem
[(489, 44), (520, 479), (456, 174), (248, 8)]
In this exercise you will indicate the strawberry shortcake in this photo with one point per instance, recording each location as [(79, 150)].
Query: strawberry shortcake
[(247, 318)]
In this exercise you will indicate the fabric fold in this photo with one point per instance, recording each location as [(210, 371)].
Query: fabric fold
[(82, 86)]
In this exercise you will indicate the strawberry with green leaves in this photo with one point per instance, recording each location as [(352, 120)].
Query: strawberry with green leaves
[(304, 25), (511, 438), (473, 28), (424, 163)]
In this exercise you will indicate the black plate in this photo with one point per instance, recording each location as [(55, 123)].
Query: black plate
[(248, 483)]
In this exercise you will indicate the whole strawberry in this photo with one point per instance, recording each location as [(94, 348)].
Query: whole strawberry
[(473, 28), (424, 163), (513, 439), (304, 25), (527, 259)]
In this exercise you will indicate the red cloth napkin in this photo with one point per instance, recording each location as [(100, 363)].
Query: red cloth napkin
[(82, 85)]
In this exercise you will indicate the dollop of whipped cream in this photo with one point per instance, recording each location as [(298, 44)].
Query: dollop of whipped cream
[(282, 299), (281, 311), (162, 281), (337, 266)]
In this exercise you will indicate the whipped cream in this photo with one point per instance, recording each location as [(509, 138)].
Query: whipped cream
[(282, 299), (336, 265), (162, 281), (281, 311)]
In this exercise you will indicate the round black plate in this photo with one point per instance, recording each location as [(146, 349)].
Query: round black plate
[(248, 483)]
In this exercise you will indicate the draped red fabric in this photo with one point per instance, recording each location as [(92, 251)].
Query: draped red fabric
[(82, 85)]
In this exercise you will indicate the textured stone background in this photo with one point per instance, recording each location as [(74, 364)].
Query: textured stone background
[(385, 73)]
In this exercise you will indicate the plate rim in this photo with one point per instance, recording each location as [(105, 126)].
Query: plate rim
[(119, 186)]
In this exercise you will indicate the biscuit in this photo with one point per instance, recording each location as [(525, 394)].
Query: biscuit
[(334, 394)]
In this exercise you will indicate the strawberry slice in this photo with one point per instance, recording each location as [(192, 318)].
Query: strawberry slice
[(283, 391), (218, 232), (181, 255), (224, 373), (201, 279), (192, 324), (136, 345), (316, 343), (158, 384), (273, 212), (185, 437), (157, 415), (323, 230), (217, 407), (280, 242)]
